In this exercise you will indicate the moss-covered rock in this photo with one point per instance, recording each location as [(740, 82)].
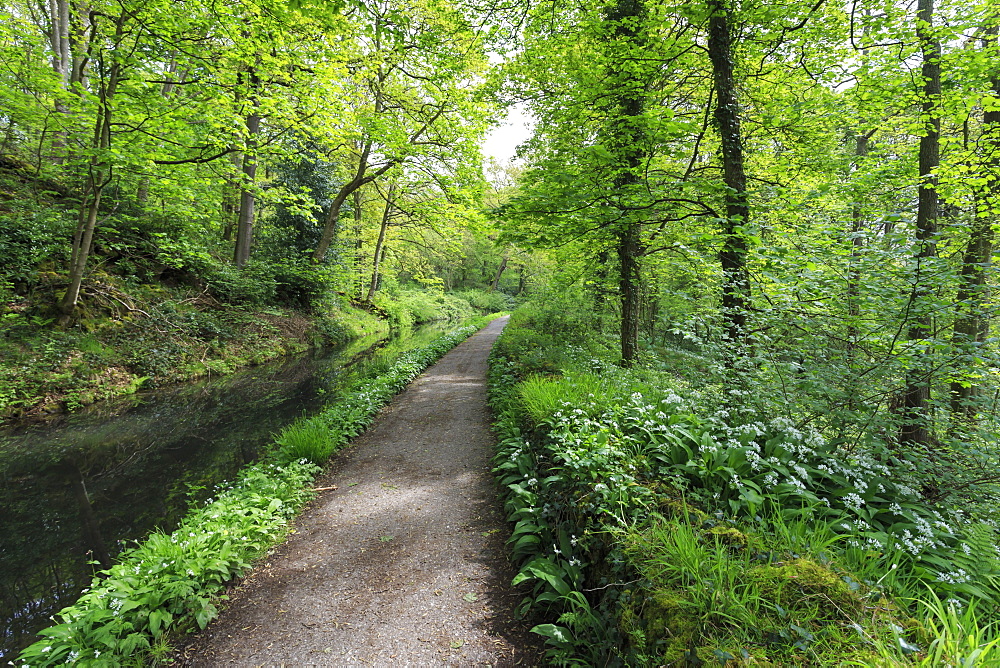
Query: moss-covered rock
[(804, 582)]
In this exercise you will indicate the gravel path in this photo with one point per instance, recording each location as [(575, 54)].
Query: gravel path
[(404, 563)]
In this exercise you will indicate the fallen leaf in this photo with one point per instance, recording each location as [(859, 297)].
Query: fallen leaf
[(470, 597)]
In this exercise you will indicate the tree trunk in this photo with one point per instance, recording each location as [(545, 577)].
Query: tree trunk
[(500, 270), (972, 325), (62, 65), (733, 256), (332, 223), (248, 198), (380, 245), (916, 395), (358, 260), (231, 199), (98, 176), (857, 245), (627, 145), (628, 285)]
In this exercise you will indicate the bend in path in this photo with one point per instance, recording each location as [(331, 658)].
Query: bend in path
[(404, 563)]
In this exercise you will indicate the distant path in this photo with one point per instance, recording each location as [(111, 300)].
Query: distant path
[(404, 563)]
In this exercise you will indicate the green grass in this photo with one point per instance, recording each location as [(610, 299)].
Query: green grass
[(306, 439), (718, 592)]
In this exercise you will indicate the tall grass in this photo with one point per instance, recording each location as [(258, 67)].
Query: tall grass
[(306, 439)]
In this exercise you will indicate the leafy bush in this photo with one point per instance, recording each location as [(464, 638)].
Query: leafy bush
[(254, 284), (29, 237), (301, 284), (405, 308), (487, 302), (397, 315)]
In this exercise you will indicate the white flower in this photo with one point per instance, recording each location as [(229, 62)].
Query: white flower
[(854, 501)]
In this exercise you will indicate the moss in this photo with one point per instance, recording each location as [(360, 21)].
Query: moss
[(806, 582), (677, 507), (730, 536), (663, 626)]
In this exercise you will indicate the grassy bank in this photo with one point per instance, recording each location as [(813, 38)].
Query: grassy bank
[(171, 583), (149, 337), (657, 524)]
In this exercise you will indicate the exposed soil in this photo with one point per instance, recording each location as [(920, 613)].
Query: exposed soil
[(404, 563)]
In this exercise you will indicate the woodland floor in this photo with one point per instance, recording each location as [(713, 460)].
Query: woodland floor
[(404, 563)]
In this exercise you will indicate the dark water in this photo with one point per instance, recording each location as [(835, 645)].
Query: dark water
[(82, 489)]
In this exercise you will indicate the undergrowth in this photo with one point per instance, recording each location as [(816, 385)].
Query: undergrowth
[(654, 527)]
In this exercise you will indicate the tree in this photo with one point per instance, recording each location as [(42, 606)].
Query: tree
[(914, 429), (414, 83), (732, 257)]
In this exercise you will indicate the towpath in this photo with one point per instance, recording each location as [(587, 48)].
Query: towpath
[(404, 563)]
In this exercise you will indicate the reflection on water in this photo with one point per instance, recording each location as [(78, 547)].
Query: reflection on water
[(80, 490)]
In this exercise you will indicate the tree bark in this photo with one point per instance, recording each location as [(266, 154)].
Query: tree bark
[(62, 64), (916, 395), (248, 198), (733, 255), (231, 199), (627, 144), (628, 286), (380, 245), (358, 260), (500, 270), (857, 245)]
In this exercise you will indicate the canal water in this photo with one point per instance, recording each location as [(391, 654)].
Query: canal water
[(75, 492)]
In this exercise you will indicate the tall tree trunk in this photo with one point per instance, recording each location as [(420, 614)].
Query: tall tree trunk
[(62, 64), (380, 244), (972, 325), (629, 251), (628, 146), (733, 256), (916, 395), (231, 198), (857, 245), (331, 228), (248, 197), (358, 244)]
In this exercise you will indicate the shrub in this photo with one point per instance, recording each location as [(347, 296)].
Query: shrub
[(487, 302), (29, 237), (252, 285)]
